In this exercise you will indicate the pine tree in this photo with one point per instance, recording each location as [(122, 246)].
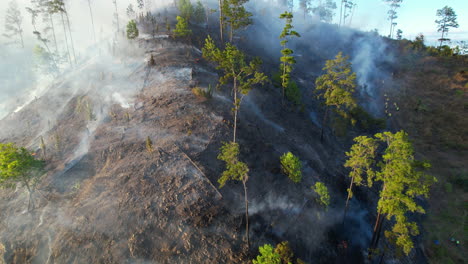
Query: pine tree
[(18, 165), (305, 6), (287, 60), (236, 16), (236, 171), (337, 86), (324, 10), (132, 30), (186, 9), (199, 13), (448, 19), (392, 14), (399, 34), (322, 191), (244, 75), (13, 23), (92, 19), (291, 166), (182, 29), (403, 181), (361, 161), (131, 12)]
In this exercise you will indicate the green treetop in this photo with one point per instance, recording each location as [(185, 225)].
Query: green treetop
[(287, 60), (337, 86), (267, 255), (403, 181), (236, 16), (322, 191), (244, 75), (291, 166), (132, 30), (182, 29), (186, 9), (18, 165), (199, 13), (236, 171), (361, 159)]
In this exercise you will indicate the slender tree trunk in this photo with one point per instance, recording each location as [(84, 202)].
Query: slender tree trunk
[(66, 39), (71, 38), (246, 214), (21, 37), (391, 27), (31, 201), (352, 14), (323, 124), (92, 20), (442, 37), (53, 32), (235, 108), (347, 199), (231, 33), (341, 11), (221, 20)]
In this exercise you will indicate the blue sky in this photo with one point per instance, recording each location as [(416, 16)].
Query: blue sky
[(414, 17)]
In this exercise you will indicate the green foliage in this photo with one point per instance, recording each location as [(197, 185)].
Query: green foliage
[(287, 60), (361, 159), (149, 145), (284, 251), (186, 9), (18, 165), (235, 169), (291, 166), (282, 254), (207, 93), (182, 29), (132, 30), (418, 43), (447, 19), (267, 256), (199, 13), (322, 191), (337, 85), (403, 181), (293, 94), (232, 61), (235, 15)]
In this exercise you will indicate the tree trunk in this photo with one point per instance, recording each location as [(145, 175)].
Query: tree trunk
[(71, 38), (246, 214), (92, 20), (323, 124), (376, 234), (347, 199), (53, 32), (231, 33), (66, 39), (442, 37), (235, 108), (221, 22), (30, 196), (341, 11)]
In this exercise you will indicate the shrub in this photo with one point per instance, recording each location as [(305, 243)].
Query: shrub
[(132, 30), (207, 93), (291, 166), (322, 191)]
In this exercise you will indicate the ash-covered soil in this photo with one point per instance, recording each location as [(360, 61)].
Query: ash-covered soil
[(107, 199)]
